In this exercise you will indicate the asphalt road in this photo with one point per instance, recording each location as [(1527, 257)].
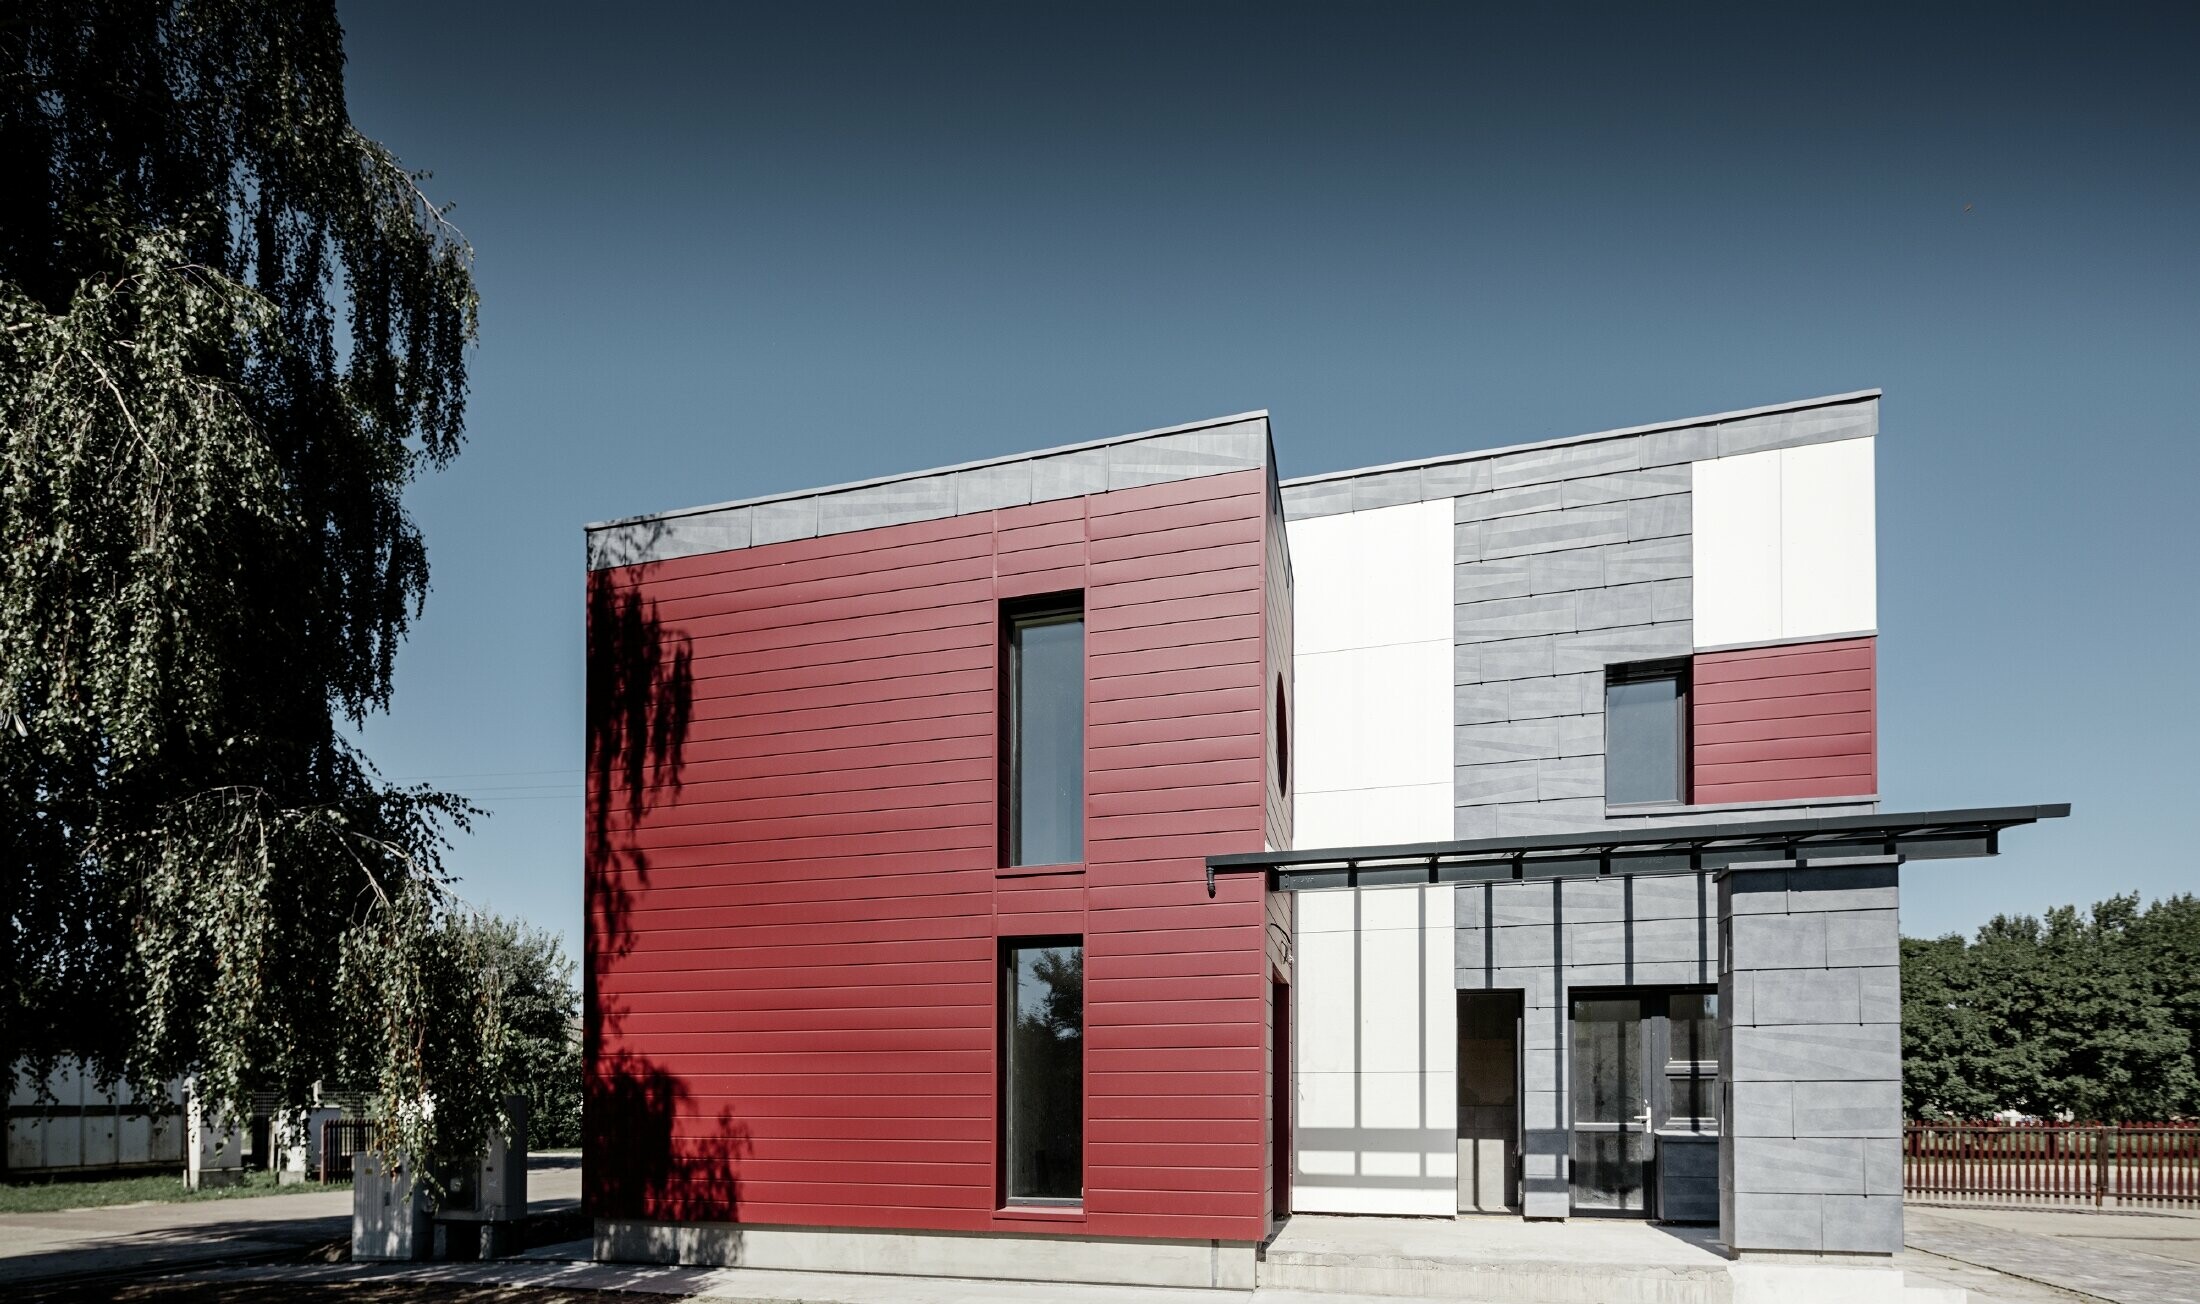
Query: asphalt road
[(136, 1238)]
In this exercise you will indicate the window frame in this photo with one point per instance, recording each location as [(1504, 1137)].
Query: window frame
[(1680, 670), (1016, 616), (1657, 1065), (1005, 1026), (1672, 1070)]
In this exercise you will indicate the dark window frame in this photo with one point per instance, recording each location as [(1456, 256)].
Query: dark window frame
[(1017, 615), (1657, 1051), (1005, 1135), (1681, 672)]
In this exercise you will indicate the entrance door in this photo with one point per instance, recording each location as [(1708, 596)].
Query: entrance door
[(1489, 1101), (1612, 1145)]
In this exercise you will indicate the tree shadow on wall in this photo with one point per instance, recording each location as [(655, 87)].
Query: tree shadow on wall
[(641, 693), (647, 1155), (641, 1165)]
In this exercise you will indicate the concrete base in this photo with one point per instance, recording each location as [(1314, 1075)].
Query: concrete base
[(1805, 1283), (1585, 1261), (1497, 1260), (1228, 1265)]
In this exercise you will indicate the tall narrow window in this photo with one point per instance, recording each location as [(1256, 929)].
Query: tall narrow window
[(1046, 735), (1043, 1063), (1646, 734)]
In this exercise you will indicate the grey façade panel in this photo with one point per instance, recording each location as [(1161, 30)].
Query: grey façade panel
[(778, 522), (1069, 475), (1821, 425), (989, 488), (1178, 453), (1321, 498), (1389, 489), (667, 538), (1566, 462), (897, 502), (1240, 446)]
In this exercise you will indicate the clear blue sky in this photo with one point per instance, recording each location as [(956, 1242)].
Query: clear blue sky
[(725, 251)]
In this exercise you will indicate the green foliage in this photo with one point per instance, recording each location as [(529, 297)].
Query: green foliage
[(232, 331), (2089, 1015), (540, 1005)]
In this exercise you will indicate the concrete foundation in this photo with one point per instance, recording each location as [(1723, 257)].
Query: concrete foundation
[(1496, 1260), (1228, 1265)]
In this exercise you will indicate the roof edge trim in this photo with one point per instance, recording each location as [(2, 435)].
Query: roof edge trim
[(822, 490), (1563, 441)]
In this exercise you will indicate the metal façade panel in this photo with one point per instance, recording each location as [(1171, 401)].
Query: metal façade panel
[(794, 904), (1794, 721)]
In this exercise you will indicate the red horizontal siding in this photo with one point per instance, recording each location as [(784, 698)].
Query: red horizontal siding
[(1773, 724), (794, 912)]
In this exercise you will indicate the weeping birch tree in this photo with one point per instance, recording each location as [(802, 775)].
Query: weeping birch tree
[(232, 331)]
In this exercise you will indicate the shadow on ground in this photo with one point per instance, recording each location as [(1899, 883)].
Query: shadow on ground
[(279, 1292)]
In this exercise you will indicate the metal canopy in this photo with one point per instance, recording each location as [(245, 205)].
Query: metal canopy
[(1670, 849)]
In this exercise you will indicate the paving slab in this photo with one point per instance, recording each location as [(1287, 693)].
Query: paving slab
[(2124, 1258), (745, 1285), (1980, 1285)]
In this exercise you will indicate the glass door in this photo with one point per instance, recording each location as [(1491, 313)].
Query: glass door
[(1611, 1133)]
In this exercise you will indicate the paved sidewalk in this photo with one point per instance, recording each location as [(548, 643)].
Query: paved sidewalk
[(2125, 1258), (523, 1277), (135, 1237)]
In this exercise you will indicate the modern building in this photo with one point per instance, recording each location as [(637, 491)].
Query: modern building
[(1071, 865)]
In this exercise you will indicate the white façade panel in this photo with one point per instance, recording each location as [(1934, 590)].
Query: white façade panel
[(1365, 579), (1391, 992), (1372, 749), (1325, 730), (1378, 1096), (1377, 717), (1328, 1001), (1735, 504), (1828, 546), (1373, 817)]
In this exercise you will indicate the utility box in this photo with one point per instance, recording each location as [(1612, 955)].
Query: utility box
[(482, 1201), (485, 1199), (297, 1143), (213, 1146), (389, 1214)]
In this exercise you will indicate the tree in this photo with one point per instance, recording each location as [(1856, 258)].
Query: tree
[(232, 331), (2071, 1015), (2166, 939), (541, 1009)]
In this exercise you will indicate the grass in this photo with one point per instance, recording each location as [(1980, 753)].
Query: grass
[(48, 1196)]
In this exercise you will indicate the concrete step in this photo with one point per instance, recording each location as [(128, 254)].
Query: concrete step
[(1493, 1281)]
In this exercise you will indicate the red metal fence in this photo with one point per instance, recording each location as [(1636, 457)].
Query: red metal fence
[(2058, 1163)]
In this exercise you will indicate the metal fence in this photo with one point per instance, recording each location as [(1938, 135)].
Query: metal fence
[(2053, 1163), (341, 1138)]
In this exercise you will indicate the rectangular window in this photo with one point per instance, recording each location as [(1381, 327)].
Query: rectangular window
[(1646, 734), (1045, 771), (1043, 1071)]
